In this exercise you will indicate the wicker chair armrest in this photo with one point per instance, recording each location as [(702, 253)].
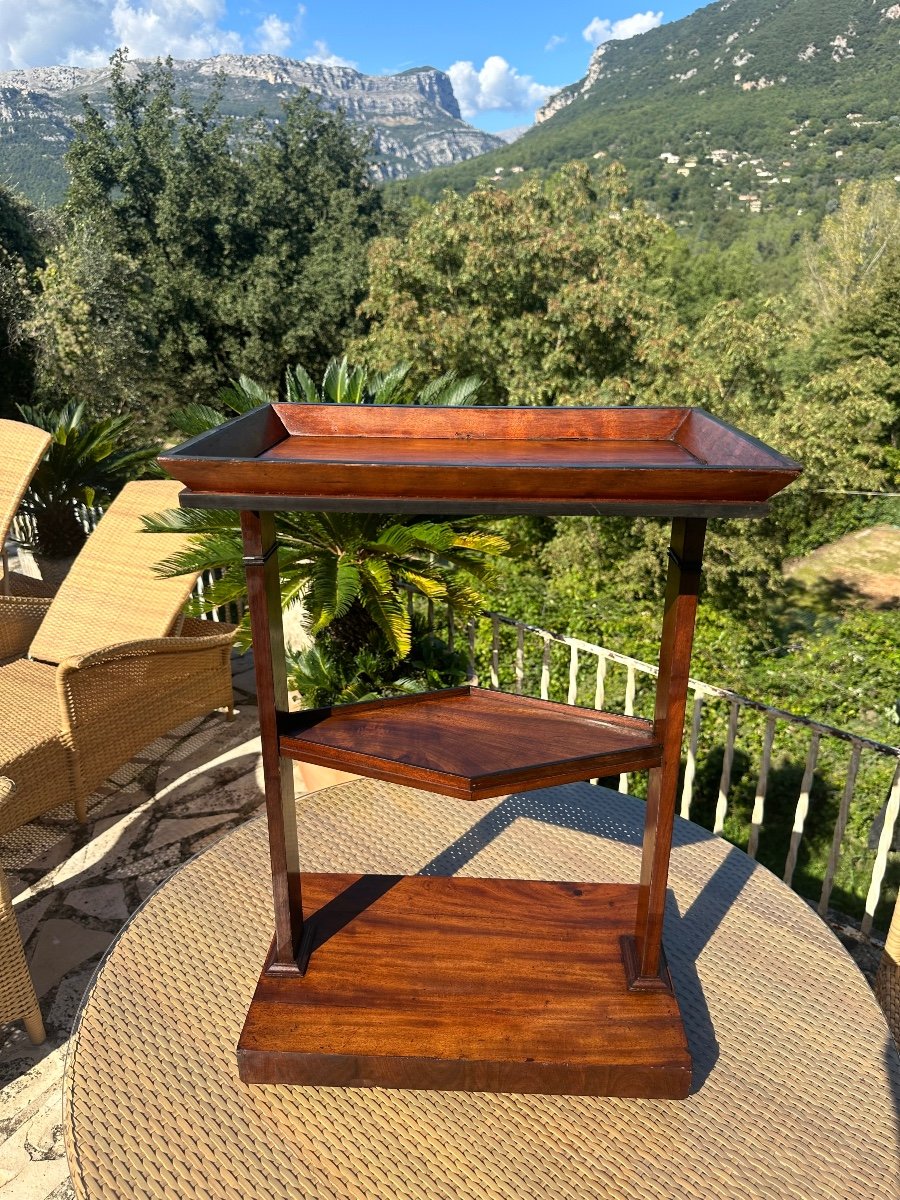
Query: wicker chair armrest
[(223, 635), (193, 627), (89, 685), (20, 617)]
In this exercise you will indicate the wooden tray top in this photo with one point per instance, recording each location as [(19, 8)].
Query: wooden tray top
[(389, 458)]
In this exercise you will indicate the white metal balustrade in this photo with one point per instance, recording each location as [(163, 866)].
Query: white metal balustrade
[(534, 646)]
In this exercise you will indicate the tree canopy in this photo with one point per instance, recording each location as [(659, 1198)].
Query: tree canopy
[(20, 253), (189, 259), (551, 294), (564, 292)]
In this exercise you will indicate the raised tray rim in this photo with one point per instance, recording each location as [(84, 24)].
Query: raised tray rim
[(779, 461), (219, 471)]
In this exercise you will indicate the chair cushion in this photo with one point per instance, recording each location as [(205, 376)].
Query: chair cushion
[(21, 449), (112, 593)]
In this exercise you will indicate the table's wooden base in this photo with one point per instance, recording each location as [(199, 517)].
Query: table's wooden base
[(486, 985)]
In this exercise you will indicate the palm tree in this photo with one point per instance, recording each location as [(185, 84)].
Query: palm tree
[(351, 571), (88, 462)]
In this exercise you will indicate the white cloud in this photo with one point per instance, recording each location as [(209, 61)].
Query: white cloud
[(182, 28), (555, 41), (601, 30), (85, 32), (326, 58), (496, 86), (273, 35)]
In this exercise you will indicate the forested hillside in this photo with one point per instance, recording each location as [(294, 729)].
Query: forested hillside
[(744, 107), (412, 118), (180, 264)]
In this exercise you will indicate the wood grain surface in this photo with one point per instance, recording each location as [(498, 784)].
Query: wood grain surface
[(469, 742), (264, 600), (494, 456), (460, 983), (477, 452), (682, 592)]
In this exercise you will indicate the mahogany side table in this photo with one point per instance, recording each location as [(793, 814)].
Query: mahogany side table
[(459, 984)]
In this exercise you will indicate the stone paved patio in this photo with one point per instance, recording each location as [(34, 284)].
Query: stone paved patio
[(74, 887)]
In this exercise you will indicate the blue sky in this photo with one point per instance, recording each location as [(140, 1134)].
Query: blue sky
[(504, 57)]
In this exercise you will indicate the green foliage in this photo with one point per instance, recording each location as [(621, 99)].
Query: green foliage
[(326, 674), (86, 327), (227, 261), (342, 383), (88, 462), (565, 293), (869, 332), (349, 571), (22, 238), (552, 293), (845, 261)]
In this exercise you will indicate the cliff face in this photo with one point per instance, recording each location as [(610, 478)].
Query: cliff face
[(564, 98), (414, 117), (420, 94)]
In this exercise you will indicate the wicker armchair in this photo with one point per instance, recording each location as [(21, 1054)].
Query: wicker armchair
[(113, 665), (17, 998), (21, 449), (887, 981)]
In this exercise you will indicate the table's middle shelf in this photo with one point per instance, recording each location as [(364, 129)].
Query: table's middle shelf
[(470, 743)]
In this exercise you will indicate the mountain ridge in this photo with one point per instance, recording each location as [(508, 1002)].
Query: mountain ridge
[(741, 107), (413, 117)]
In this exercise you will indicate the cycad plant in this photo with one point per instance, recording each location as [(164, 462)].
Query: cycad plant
[(342, 383), (346, 384), (351, 572), (323, 678), (88, 462)]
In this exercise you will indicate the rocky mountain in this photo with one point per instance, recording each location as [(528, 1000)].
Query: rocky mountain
[(740, 108), (413, 117)]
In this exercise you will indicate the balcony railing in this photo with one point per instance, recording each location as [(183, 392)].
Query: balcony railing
[(513, 655), (723, 726)]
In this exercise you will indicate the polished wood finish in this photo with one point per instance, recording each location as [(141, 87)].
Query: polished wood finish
[(682, 589), (466, 984), (553, 457), (509, 424), (460, 983), (634, 980), (456, 507), (264, 598), (413, 452), (712, 440), (470, 743)]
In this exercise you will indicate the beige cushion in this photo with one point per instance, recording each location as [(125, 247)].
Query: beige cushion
[(112, 593), (21, 449)]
